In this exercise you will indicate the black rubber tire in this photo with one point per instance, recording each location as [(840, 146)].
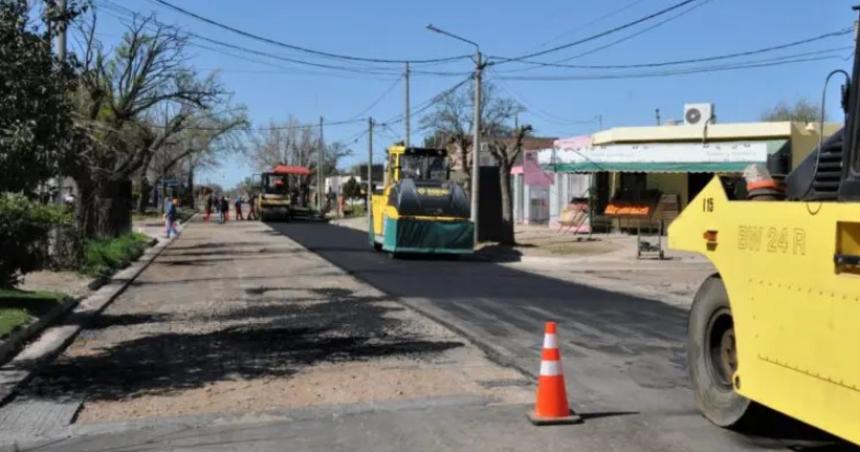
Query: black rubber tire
[(714, 391), (377, 247)]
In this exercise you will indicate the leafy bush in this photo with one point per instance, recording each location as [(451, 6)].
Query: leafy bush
[(103, 257), (24, 226)]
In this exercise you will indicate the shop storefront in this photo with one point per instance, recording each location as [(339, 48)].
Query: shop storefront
[(652, 173)]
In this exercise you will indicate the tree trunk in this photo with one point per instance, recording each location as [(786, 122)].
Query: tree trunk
[(113, 203), (189, 194), (506, 235), (143, 199), (145, 186), (87, 216)]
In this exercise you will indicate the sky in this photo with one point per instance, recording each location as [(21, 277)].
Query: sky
[(559, 102)]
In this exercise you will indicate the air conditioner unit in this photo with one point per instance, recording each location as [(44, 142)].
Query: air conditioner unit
[(698, 114)]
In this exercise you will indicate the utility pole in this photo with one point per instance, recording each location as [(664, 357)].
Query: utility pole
[(61, 57), (600, 122), (369, 207), (61, 39), (320, 163), (476, 125), (657, 112), (408, 113), (476, 144)]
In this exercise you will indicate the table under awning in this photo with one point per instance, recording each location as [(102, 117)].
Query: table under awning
[(725, 157)]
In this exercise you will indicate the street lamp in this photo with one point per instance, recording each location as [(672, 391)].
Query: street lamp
[(476, 124)]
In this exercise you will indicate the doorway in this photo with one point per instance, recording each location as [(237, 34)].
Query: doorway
[(696, 182)]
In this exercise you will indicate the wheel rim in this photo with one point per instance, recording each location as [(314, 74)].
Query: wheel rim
[(721, 356)]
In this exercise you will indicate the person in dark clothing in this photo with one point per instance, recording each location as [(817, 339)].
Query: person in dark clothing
[(208, 206), (225, 208), (238, 205), (170, 217)]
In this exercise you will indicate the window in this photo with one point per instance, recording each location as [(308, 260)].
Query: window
[(423, 167)]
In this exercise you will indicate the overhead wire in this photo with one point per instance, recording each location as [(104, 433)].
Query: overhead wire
[(503, 60), (305, 49), (774, 48), (591, 22), (547, 116), (654, 26), (726, 67), (638, 33), (130, 14)]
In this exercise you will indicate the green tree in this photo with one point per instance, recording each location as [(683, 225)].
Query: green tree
[(36, 124), (351, 189), (801, 111), (24, 225)]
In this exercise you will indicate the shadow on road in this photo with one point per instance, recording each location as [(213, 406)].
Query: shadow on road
[(265, 333)]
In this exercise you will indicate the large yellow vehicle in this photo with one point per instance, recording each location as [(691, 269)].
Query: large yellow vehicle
[(779, 325), (419, 209), (282, 195)]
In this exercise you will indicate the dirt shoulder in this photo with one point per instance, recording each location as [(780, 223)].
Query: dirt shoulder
[(237, 318)]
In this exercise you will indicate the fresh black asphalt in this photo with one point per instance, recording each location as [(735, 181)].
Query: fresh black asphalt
[(623, 356)]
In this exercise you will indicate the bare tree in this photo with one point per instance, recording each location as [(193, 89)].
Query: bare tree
[(119, 95), (802, 111), (506, 150), (450, 123), (295, 144), (208, 136)]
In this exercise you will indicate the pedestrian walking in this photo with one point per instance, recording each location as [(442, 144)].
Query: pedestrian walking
[(216, 204), (170, 217), (225, 209), (208, 204), (238, 205), (252, 208)]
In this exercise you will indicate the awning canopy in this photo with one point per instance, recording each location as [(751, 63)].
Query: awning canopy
[(730, 157), (291, 169)]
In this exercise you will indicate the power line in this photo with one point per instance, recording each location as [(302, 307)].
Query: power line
[(545, 115), (832, 34), (305, 49), (595, 36), (112, 6), (424, 106), (637, 33), (684, 12), (592, 22), (728, 67), (378, 100)]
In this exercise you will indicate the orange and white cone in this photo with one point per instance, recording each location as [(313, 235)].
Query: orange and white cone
[(551, 405)]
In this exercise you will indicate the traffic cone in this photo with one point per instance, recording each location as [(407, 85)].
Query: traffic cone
[(551, 406)]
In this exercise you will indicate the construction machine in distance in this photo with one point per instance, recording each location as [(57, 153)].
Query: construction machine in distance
[(283, 195), (419, 210), (779, 324)]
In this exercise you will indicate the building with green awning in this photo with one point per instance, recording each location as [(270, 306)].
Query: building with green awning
[(626, 162)]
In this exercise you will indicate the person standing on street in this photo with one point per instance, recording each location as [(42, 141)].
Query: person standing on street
[(238, 205), (208, 203), (252, 207), (170, 218), (225, 208)]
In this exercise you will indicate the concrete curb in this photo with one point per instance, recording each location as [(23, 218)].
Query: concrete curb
[(21, 336), (54, 340)]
